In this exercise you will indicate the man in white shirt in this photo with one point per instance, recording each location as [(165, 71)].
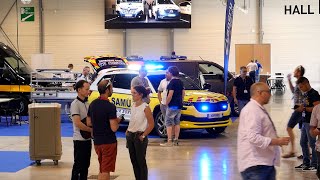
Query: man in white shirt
[(141, 80), (85, 75), (258, 143), (162, 93), (252, 67)]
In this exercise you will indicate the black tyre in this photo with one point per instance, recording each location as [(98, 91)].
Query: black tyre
[(235, 110), (159, 126), (216, 130), (38, 162)]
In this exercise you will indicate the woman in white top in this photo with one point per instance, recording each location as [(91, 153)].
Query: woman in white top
[(140, 125)]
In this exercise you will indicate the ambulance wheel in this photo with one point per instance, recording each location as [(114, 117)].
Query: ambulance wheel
[(216, 130), (160, 126), (38, 162)]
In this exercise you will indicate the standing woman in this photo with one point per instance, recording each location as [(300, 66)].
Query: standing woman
[(140, 125)]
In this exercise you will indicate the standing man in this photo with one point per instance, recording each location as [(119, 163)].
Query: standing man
[(252, 67), (102, 115), (258, 143), (141, 80), (68, 75), (162, 93), (85, 75), (174, 105), (310, 99), (82, 147), (314, 131), (70, 67), (258, 71), (296, 116), (241, 88)]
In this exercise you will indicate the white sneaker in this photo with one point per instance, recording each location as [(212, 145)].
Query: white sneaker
[(167, 144)]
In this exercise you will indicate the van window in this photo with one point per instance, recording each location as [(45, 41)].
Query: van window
[(106, 77), (14, 60), (123, 81), (210, 71), (188, 83)]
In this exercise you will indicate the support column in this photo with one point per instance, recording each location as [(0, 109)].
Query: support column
[(171, 40), (41, 28), (124, 42), (260, 21)]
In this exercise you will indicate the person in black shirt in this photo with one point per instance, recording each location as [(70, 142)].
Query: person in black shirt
[(311, 98), (241, 88), (102, 115), (174, 105)]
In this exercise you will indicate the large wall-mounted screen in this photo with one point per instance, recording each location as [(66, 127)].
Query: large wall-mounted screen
[(130, 14)]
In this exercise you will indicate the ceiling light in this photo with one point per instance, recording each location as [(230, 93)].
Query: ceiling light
[(26, 1)]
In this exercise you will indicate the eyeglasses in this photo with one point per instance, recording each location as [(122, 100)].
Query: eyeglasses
[(109, 83)]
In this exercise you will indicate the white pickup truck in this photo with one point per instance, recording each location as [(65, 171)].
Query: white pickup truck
[(130, 9)]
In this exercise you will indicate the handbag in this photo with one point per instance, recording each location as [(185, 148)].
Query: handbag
[(85, 134)]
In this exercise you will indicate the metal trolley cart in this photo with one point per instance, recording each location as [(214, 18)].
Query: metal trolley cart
[(51, 93), (276, 82), (53, 85)]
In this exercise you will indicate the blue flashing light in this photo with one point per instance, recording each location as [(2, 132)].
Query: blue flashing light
[(154, 66), (224, 107), (204, 108)]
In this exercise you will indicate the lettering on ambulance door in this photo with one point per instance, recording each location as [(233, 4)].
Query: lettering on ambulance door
[(122, 94)]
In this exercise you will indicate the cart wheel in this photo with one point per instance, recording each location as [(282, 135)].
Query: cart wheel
[(38, 162), (55, 162)]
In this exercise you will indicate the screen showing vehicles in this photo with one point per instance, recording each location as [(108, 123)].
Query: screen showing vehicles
[(123, 14)]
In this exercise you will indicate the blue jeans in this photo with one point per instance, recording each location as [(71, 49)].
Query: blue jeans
[(305, 138), (257, 76), (241, 104), (172, 117), (296, 117), (259, 173)]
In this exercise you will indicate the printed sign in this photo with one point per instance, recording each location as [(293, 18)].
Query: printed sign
[(27, 14)]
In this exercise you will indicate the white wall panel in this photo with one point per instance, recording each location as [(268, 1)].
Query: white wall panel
[(75, 29), (206, 37), (294, 38), (149, 43)]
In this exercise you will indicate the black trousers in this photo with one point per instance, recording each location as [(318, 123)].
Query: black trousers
[(137, 151), (82, 155), (318, 166), (252, 75)]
